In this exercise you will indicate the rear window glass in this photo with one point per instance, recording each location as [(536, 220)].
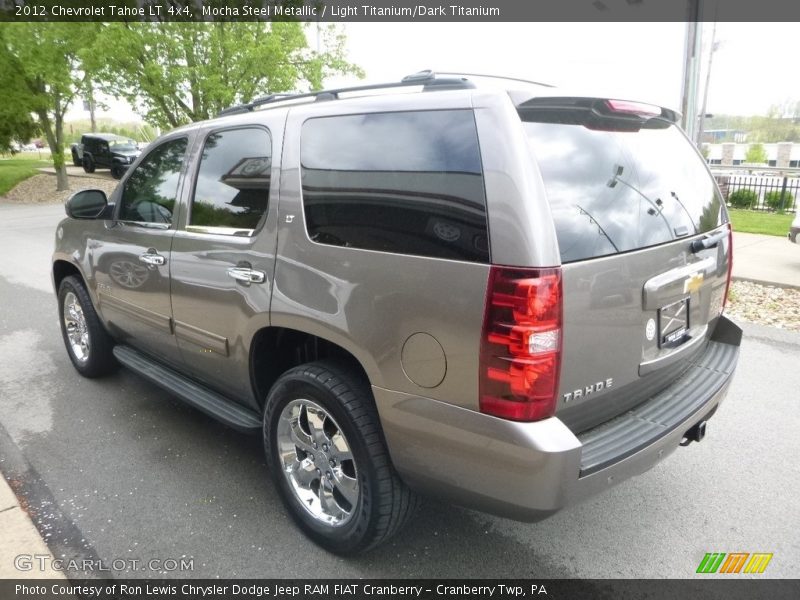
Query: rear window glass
[(616, 191), (405, 182)]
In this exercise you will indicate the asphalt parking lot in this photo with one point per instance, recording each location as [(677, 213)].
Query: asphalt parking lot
[(118, 469)]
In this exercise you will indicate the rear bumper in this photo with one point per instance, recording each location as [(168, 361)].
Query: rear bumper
[(527, 471)]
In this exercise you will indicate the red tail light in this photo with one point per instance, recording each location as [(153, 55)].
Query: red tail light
[(521, 343), (633, 108), (730, 266)]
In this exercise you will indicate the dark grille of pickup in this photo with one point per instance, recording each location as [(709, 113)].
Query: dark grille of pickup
[(623, 436)]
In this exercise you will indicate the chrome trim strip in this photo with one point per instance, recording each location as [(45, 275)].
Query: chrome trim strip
[(220, 230), (660, 286), (157, 320), (201, 337)]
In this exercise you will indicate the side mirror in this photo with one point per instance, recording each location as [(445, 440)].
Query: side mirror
[(86, 204)]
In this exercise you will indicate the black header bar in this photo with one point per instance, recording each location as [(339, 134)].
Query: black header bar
[(733, 588), (402, 10)]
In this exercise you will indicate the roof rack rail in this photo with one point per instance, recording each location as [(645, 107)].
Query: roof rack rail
[(427, 79), (550, 85)]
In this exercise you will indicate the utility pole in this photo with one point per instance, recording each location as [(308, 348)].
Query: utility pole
[(691, 67), (701, 120)]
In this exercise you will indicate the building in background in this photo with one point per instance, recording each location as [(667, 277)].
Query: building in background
[(781, 154)]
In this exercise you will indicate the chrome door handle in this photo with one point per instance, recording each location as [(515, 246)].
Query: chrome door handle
[(247, 275), (152, 259)]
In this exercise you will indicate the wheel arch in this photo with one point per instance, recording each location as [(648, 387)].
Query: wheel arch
[(274, 350), (64, 268)]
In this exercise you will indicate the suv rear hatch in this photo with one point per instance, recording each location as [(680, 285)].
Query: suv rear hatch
[(645, 244)]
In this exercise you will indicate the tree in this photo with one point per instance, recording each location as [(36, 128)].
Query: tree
[(179, 72), (756, 154), (766, 129), (40, 65), (16, 122)]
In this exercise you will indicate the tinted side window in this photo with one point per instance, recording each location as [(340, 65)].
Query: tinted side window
[(232, 187), (613, 191), (150, 192), (408, 183)]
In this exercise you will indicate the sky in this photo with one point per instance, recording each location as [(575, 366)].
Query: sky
[(753, 66)]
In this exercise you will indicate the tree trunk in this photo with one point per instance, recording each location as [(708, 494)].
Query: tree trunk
[(54, 138), (91, 103), (58, 157)]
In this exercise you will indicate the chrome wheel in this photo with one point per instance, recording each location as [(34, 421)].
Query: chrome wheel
[(317, 462), (76, 328)]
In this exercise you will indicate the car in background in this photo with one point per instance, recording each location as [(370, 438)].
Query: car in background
[(76, 150), (105, 150), (794, 229)]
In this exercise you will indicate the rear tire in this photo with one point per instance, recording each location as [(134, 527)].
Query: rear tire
[(88, 164), (88, 344), (327, 455)]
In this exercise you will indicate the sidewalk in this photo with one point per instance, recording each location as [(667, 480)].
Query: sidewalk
[(20, 537), (766, 259)]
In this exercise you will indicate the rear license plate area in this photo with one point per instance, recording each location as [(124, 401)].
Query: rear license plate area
[(673, 323)]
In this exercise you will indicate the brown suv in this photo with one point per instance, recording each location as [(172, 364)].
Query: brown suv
[(508, 299)]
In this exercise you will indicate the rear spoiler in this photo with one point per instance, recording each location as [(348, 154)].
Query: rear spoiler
[(594, 113)]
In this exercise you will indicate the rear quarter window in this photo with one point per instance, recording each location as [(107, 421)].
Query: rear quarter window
[(616, 191), (404, 182)]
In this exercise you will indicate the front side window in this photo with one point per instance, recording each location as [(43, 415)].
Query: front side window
[(405, 182), (232, 189), (151, 190)]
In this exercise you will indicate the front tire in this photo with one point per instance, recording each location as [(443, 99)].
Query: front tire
[(88, 344), (327, 455)]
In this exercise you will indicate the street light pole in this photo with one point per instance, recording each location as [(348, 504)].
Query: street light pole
[(714, 45), (691, 67)]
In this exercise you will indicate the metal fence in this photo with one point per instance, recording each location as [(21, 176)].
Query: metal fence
[(765, 192)]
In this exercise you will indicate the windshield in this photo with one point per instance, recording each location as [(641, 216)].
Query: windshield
[(615, 190), (122, 145)]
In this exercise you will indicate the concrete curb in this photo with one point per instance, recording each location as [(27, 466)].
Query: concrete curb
[(76, 172), (776, 284), (20, 537)]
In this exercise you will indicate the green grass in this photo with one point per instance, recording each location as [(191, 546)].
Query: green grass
[(751, 221), (18, 168)]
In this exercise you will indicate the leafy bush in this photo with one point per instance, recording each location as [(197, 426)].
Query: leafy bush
[(743, 198), (773, 200), (756, 154)]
